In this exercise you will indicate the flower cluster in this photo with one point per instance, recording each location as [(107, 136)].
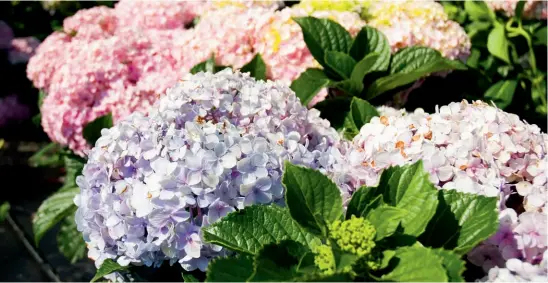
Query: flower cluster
[(355, 235), (533, 9), (19, 49), (472, 148), (12, 110), (211, 145)]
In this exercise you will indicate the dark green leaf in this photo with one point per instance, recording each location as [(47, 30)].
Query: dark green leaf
[(370, 40), (52, 210), (461, 221), (502, 93), (313, 199), (230, 269), (386, 220), (247, 230), (256, 68), (479, 11), (4, 211), (412, 58), (336, 118), (364, 67), (390, 82), (187, 277), (337, 277), (41, 96), (340, 62), (416, 264), (518, 12), (206, 66), (321, 35), (348, 86), (70, 241), (540, 36), (360, 114), (497, 43), (408, 187), (106, 268), (92, 131), (452, 263), (49, 155), (309, 84), (363, 201), (278, 262), (343, 260)]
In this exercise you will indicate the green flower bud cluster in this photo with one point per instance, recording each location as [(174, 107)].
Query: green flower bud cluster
[(355, 235), (324, 259)]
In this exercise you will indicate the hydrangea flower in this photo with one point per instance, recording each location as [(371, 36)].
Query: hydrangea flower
[(22, 49), (354, 235), (533, 9), (211, 145), (472, 148)]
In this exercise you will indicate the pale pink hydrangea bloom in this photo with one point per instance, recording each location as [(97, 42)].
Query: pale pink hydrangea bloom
[(471, 148), (6, 35), (11, 110), (534, 9), (91, 24), (157, 14), (22, 49)]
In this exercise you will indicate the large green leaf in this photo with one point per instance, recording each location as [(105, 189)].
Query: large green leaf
[(49, 155), (106, 268), (256, 68), (540, 36), (206, 66), (364, 67), (452, 263), (416, 264), (363, 201), (479, 11), (348, 86), (70, 241), (313, 199), (461, 221), (408, 187), (498, 44), (309, 84), (518, 12), (412, 58), (502, 93), (321, 35), (278, 262), (92, 131), (247, 230), (230, 269), (393, 81), (340, 62), (370, 40), (52, 210), (360, 114), (386, 220)]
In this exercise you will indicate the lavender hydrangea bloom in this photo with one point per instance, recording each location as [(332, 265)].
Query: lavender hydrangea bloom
[(213, 144)]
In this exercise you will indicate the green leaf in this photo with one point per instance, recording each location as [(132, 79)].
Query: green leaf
[(312, 198), (497, 43), (416, 264), (309, 83), (386, 220), (321, 35), (387, 255), (479, 11), (393, 81), (337, 277), (230, 269), (502, 93), (206, 66), (70, 241), (408, 188), (343, 260), (52, 210), (49, 155), (452, 263), (461, 221), (348, 86), (340, 62), (256, 68), (363, 201), (4, 211), (278, 262), (370, 40), (412, 58), (106, 268), (188, 277), (247, 230), (92, 131), (364, 67), (360, 114), (540, 36), (518, 12)]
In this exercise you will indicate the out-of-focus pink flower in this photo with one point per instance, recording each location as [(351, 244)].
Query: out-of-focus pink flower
[(22, 49), (11, 110), (157, 14), (534, 9), (89, 24), (6, 35)]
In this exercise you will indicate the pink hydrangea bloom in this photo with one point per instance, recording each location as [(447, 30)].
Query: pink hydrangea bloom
[(22, 49), (473, 148), (534, 9), (6, 35), (11, 110), (156, 14)]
